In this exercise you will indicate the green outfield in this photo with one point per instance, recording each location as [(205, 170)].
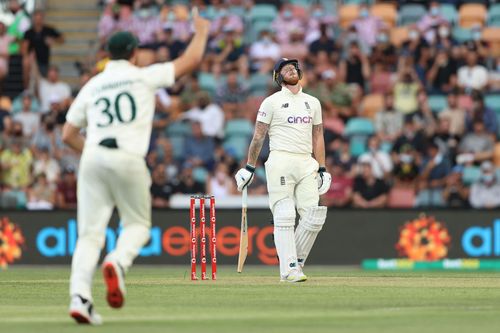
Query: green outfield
[(163, 299)]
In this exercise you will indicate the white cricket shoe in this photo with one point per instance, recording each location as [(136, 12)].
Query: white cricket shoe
[(115, 283), (82, 311), (295, 275)]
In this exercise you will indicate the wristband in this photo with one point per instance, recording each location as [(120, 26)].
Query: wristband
[(322, 169), (250, 168)]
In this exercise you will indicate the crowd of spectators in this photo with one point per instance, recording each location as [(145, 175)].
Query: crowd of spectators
[(407, 118)]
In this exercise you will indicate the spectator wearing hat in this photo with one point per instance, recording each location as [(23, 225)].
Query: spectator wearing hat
[(369, 191), (472, 76), (209, 114), (433, 171), (66, 190), (455, 193), (388, 122), (485, 193)]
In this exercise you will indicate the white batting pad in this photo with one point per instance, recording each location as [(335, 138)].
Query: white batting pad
[(307, 231), (284, 223)]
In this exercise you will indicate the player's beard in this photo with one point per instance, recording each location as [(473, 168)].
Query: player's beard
[(292, 81)]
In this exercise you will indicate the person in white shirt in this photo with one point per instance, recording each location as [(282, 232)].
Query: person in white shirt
[(116, 107), (380, 160), (208, 114), (265, 48), (472, 75), (52, 86), (27, 117), (485, 193), (295, 179)]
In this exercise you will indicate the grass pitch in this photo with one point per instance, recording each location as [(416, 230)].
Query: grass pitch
[(163, 299)]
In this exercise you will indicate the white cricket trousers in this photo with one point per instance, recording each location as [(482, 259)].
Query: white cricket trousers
[(292, 176), (109, 178)]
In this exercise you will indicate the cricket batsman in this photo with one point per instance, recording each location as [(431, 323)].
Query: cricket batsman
[(116, 107), (295, 178)]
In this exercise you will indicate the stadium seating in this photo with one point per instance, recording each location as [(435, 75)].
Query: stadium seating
[(411, 13), (472, 14), (238, 127), (471, 175), (259, 84), (200, 174), (493, 102), (347, 14), (263, 12), (494, 16), (387, 12), (236, 146), (399, 35), (496, 155), (437, 103), (207, 82), (178, 128), (359, 126), (449, 12), (5, 103), (462, 35), (491, 35)]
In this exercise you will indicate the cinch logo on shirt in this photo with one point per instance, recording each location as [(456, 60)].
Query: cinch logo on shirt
[(261, 113), (299, 120)]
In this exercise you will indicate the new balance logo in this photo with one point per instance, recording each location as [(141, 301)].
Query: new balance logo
[(284, 106), (307, 106)]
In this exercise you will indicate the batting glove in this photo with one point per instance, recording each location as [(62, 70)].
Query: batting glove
[(244, 176), (324, 180)]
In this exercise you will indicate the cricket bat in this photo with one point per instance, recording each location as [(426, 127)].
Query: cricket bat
[(244, 231)]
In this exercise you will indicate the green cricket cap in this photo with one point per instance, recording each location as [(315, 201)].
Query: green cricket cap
[(121, 43)]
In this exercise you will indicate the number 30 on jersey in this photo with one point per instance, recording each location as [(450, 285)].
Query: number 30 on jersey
[(113, 111)]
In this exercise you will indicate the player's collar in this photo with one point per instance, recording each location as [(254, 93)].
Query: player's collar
[(287, 91), (117, 63)]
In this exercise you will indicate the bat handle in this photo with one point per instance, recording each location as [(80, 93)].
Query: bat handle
[(244, 197)]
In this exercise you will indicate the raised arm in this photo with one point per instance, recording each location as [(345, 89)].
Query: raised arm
[(257, 141), (192, 56)]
